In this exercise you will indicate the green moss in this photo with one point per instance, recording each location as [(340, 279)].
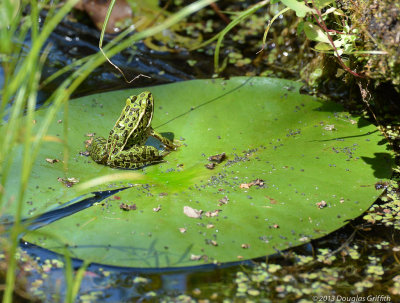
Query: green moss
[(379, 24)]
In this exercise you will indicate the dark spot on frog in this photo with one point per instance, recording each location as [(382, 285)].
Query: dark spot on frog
[(133, 99)]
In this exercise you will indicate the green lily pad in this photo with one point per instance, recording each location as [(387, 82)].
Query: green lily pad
[(296, 169)]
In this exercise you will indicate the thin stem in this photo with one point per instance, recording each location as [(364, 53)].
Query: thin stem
[(322, 24)]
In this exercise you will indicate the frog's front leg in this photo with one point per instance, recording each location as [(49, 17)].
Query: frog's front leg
[(135, 157), (168, 143), (98, 150)]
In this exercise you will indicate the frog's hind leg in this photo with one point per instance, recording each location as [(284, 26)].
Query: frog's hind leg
[(135, 157), (168, 143), (97, 150)]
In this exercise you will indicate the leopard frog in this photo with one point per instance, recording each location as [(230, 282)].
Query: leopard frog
[(125, 146)]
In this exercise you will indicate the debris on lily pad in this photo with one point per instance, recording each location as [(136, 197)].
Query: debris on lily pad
[(191, 212), (210, 165), (330, 127), (52, 161), (223, 201), (321, 204), (127, 207), (213, 213), (194, 257), (157, 209), (217, 158), (214, 160), (257, 182), (68, 182)]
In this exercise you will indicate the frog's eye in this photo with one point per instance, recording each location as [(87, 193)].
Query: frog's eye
[(130, 100)]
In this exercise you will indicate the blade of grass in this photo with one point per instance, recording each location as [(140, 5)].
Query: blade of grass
[(26, 96), (36, 48), (242, 16), (73, 281), (31, 91), (264, 40), (103, 30)]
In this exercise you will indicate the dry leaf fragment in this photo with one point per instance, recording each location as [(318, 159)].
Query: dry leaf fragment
[(210, 165), (210, 226), (157, 209), (191, 212), (195, 257), (321, 204), (97, 11), (52, 161), (68, 182), (245, 245), (217, 158), (213, 213), (127, 207), (182, 229), (330, 127), (258, 182), (214, 243), (223, 201), (272, 200)]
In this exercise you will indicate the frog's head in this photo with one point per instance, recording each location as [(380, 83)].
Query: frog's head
[(138, 111), (146, 101)]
